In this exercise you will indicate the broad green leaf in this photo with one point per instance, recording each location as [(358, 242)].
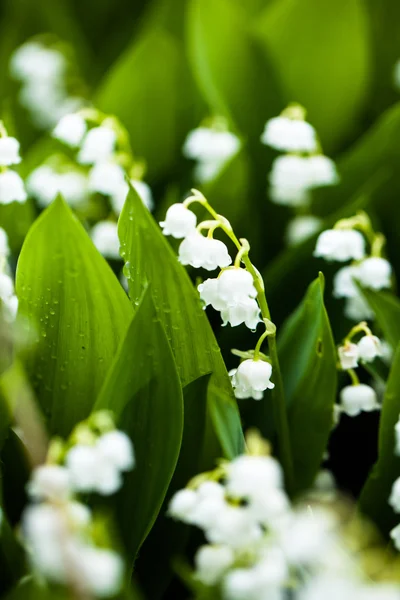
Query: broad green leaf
[(149, 258), (168, 538), (374, 496), (144, 392), (149, 98), (307, 356), (77, 311), (386, 307), (321, 51), (232, 74)]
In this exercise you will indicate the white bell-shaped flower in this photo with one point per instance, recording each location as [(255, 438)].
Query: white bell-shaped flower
[(340, 245), (343, 282), (289, 135), (245, 310), (199, 251), (369, 347), (106, 178), (42, 184), (289, 180), (358, 309), (248, 476), (348, 356), (251, 379), (301, 228), (210, 294), (98, 145), (209, 506), (116, 448), (179, 221), (234, 527), (11, 188), (34, 61), (102, 571), (105, 237), (236, 284), (4, 247), (394, 498), (82, 464), (321, 171), (182, 504), (72, 185), (211, 562), (395, 534), (212, 149), (49, 482), (357, 398), (9, 151), (375, 273), (70, 130)]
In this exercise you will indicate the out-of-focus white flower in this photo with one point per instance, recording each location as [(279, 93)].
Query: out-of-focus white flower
[(105, 237), (357, 309), (212, 562), (251, 379), (182, 504), (369, 347), (289, 180), (101, 571), (375, 273), (4, 247), (70, 129), (395, 535), (248, 476), (44, 183), (34, 61), (11, 188), (144, 191), (49, 482), (397, 438), (179, 221), (301, 228), (343, 282), (116, 448), (322, 171), (199, 251), (106, 178), (289, 135), (394, 498), (212, 149), (348, 355), (9, 301), (357, 398), (98, 145), (340, 245), (9, 151), (308, 536)]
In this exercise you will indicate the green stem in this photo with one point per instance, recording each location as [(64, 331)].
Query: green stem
[(277, 394)]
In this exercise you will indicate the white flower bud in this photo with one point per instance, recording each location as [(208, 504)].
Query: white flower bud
[(182, 504), (301, 228), (340, 245), (251, 379), (102, 571), (289, 135), (395, 535), (11, 188), (375, 273), (9, 151), (322, 171), (212, 562), (358, 398), (343, 282), (179, 221), (199, 251), (70, 130), (348, 356), (49, 482), (357, 309), (245, 311), (369, 347), (116, 448), (394, 498), (98, 146), (105, 237)]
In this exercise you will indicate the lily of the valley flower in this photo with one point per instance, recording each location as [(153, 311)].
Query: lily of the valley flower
[(340, 245), (199, 251), (179, 221), (348, 356), (70, 130), (357, 398), (289, 135), (251, 379)]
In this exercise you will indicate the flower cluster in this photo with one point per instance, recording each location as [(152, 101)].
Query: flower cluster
[(45, 73), (11, 185), (8, 299), (302, 169), (235, 292), (358, 397), (260, 546), (57, 528), (347, 241), (211, 146)]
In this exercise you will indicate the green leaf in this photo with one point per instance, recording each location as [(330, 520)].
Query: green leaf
[(149, 99), (232, 74), (332, 82), (168, 538), (75, 309), (149, 258), (307, 356), (144, 392), (386, 307), (373, 500)]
